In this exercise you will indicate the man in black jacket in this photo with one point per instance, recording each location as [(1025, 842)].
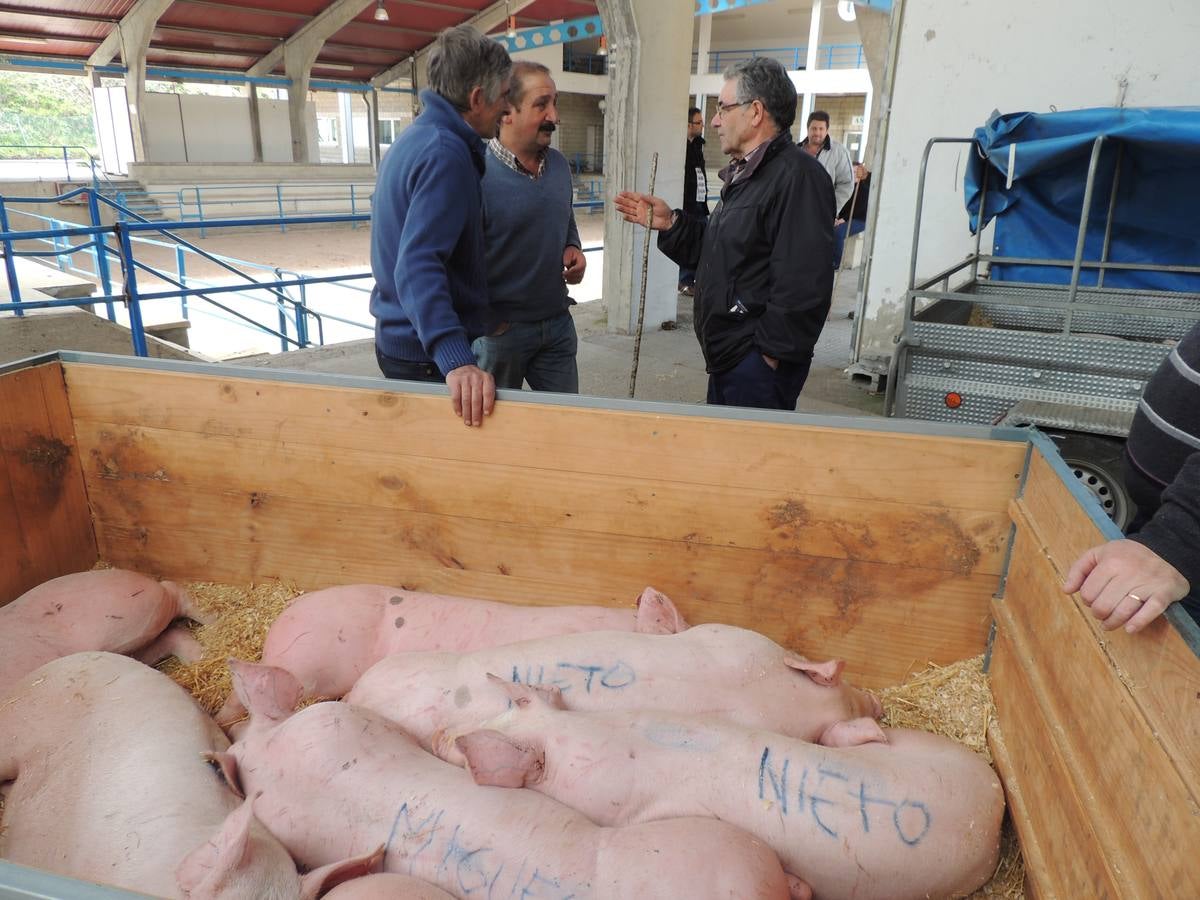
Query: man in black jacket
[(764, 258), (695, 186), (1132, 581)]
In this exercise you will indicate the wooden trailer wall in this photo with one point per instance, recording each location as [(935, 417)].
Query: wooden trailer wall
[(880, 547)]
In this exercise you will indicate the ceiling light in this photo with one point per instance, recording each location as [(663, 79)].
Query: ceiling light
[(381, 14), (845, 10), (603, 51), (512, 28)]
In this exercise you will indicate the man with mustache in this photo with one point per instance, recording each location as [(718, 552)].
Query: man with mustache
[(533, 247), (430, 295)]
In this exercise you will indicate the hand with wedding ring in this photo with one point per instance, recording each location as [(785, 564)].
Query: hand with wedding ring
[(1125, 583)]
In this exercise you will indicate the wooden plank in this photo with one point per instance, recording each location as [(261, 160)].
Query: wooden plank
[(862, 465), (42, 501), (1155, 665), (861, 611), (953, 540), (1033, 857), (1145, 816), (1062, 854)]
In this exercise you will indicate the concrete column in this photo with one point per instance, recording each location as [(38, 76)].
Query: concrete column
[(255, 123), (649, 51), (810, 61), (135, 97), (703, 42), (371, 98), (298, 59)]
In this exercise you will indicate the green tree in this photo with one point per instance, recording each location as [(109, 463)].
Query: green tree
[(38, 108)]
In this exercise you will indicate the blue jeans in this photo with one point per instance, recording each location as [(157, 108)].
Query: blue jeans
[(857, 226), (754, 383), (405, 370), (542, 353)]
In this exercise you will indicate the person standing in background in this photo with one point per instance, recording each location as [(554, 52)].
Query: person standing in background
[(695, 187), (836, 160)]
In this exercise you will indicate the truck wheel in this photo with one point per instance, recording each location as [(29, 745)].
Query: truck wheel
[(1096, 462)]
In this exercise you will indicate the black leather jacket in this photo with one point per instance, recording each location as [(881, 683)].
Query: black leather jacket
[(763, 260), (693, 159)]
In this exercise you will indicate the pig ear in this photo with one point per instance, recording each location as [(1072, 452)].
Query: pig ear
[(327, 877), (656, 614), (853, 733), (227, 764), (526, 695), (828, 673), (209, 866), (496, 759), (266, 691)]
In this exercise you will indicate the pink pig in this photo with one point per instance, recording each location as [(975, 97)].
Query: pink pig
[(110, 784), (387, 886), (908, 816), (721, 670), (328, 638), (110, 609), (332, 781)]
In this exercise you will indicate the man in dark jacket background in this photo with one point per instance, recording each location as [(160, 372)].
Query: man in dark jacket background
[(695, 186), (430, 298), (765, 256)]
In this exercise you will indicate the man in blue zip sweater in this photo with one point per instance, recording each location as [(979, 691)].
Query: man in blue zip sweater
[(527, 197), (430, 297)]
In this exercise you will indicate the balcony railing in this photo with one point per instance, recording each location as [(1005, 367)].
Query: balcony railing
[(829, 56)]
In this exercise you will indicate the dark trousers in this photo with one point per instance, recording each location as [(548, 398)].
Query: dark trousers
[(755, 384), (687, 277), (404, 370), (857, 226)]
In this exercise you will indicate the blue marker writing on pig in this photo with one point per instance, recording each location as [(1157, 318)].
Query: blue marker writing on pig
[(475, 871), (910, 818), (567, 676)]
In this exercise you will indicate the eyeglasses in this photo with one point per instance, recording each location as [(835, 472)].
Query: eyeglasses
[(695, 123), (723, 108)]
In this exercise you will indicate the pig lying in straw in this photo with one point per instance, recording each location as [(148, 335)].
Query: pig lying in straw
[(328, 638), (109, 784), (332, 781), (906, 815), (733, 673), (111, 609)]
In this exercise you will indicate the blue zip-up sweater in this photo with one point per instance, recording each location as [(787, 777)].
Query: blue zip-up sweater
[(427, 255)]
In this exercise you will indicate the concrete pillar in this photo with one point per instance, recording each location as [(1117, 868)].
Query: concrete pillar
[(298, 59), (649, 49), (874, 30), (371, 98), (810, 62), (255, 123), (703, 42)]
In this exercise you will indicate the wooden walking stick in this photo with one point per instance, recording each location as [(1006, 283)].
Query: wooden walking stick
[(637, 338)]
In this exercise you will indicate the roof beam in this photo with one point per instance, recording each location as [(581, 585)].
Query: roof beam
[(324, 25), (57, 14), (252, 10), (485, 20), (139, 21)]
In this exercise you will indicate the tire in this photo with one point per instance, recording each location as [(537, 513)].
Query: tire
[(1096, 463)]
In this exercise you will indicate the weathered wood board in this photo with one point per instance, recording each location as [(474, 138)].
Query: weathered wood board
[(829, 540), (44, 517)]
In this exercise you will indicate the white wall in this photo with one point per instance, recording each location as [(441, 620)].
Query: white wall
[(959, 62), (201, 129)]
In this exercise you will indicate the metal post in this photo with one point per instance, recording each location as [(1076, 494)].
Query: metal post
[(101, 251), (302, 320), (66, 164), (1093, 164), (199, 210), (10, 267), (283, 344), (181, 274), (279, 203), (1112, 205), (353, 211), (979, 222), (131, 294)]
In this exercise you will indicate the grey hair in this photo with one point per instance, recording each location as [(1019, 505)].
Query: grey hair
[(461, 60), (766, 81)]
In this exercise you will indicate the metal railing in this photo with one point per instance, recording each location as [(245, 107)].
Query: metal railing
[(292, 314), (583, 63), (829, 56), (202, 203), (68, 153)]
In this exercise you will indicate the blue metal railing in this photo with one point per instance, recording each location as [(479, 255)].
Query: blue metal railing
[(829, 56), (583, 63), (58, 236), (68, 152)]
